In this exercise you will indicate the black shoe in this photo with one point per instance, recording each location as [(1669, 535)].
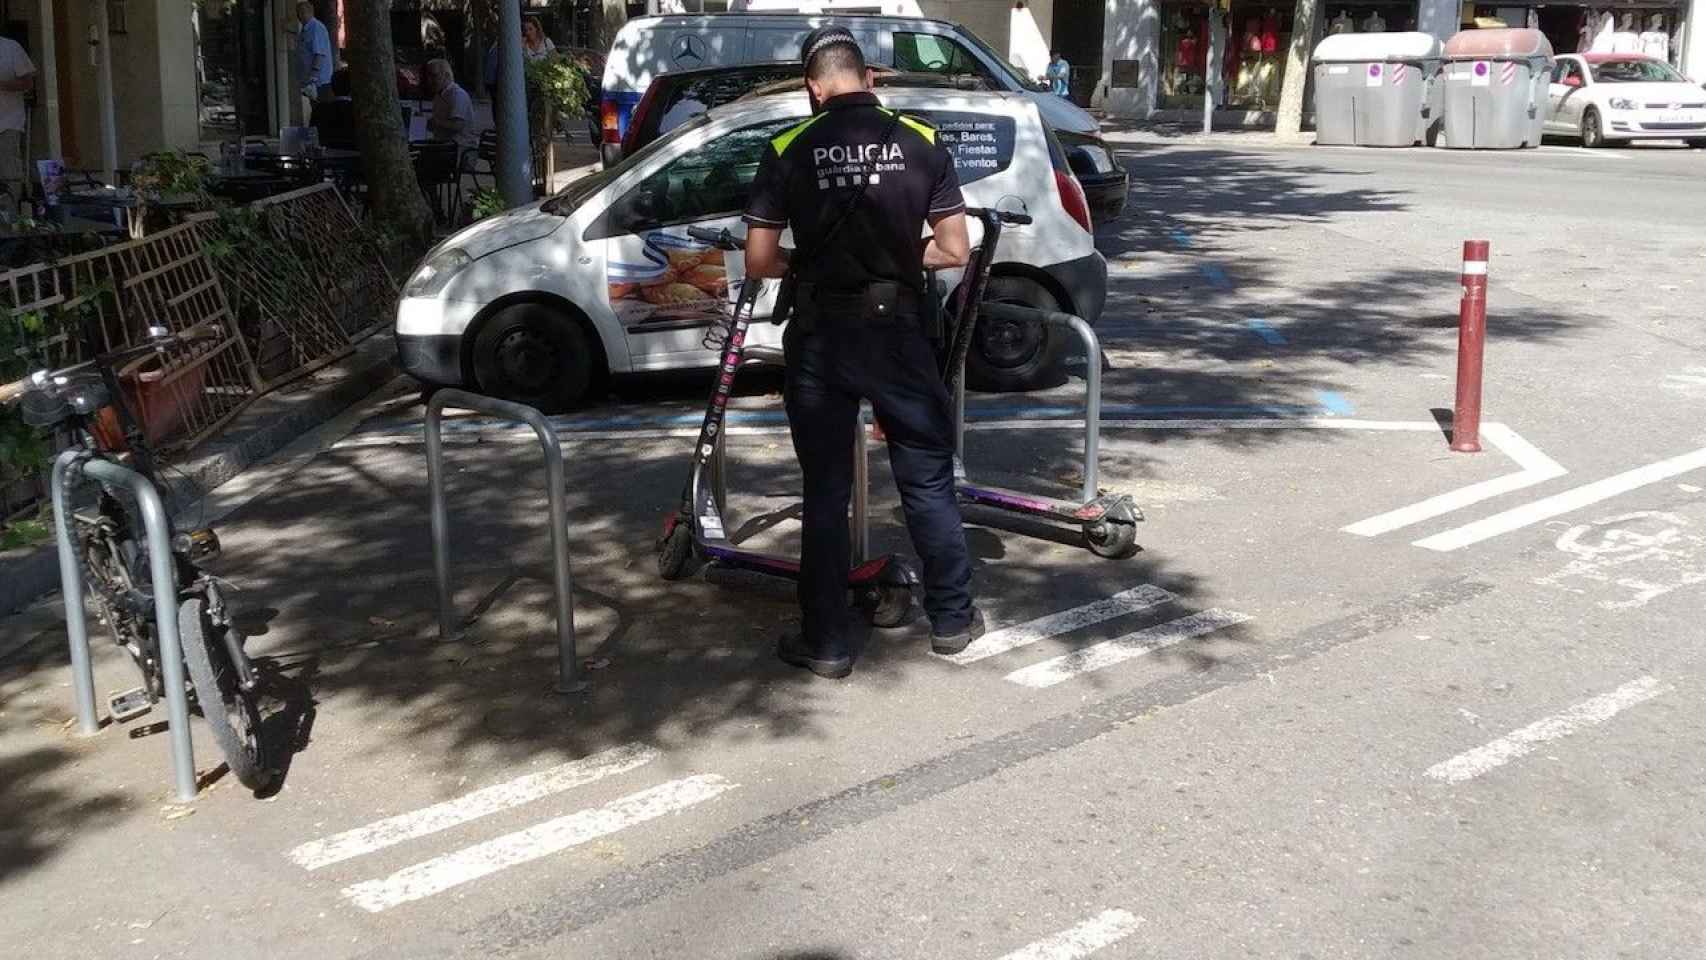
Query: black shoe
[(955, 639), (794, 652)]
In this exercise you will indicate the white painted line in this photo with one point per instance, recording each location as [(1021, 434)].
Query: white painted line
[(1000, 641), (471, 806), (1129, 647), (540, 840), (1468, 766), (1086, 938), (1536, 466), (1558, 504)]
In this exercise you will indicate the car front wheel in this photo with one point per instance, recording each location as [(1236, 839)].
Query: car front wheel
[(1009, 356), (532, 354), (1593, 135)]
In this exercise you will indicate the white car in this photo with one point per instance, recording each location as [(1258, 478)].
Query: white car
[(541, 303), (1607, 98), (646, 47)]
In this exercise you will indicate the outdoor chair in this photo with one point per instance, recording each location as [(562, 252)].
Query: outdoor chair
[(437, 169)]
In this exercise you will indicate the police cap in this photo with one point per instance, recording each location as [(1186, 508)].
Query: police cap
[(824, 37)]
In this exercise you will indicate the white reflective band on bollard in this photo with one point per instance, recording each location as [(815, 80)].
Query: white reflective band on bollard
[(1474, 268)]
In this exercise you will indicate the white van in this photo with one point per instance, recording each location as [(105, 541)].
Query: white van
[(648, 46), (541, 303)]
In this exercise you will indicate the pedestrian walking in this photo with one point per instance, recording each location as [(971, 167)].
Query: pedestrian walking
[(858, 183), (17, 77), (313, 58)]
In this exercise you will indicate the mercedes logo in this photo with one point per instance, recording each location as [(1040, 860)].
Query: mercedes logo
[(689, 49)]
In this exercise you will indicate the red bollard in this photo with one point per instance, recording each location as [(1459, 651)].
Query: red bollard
[(1471, 337)]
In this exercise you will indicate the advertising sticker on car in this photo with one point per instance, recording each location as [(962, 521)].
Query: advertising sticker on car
[(980, 144)]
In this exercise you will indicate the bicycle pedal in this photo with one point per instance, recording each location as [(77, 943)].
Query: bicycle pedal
[(127, 705)]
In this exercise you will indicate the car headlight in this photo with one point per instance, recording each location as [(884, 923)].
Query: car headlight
[(430, 277), (1621, 103)]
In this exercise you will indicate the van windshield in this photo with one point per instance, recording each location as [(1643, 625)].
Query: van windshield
[(1019, 78), (568, 199)]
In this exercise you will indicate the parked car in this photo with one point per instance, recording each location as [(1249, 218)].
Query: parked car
[(649, 47), (541, 303), (1607, 98)]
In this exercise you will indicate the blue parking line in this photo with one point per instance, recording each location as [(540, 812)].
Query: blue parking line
[(1266, 331), (1335, 403), (1179, 237), (1215, 276), (570, 424)]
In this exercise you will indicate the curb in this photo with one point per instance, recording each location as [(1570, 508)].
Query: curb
[(268, 426)]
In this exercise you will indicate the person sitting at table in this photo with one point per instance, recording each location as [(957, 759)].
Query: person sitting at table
[(452, 109), (335, 118)]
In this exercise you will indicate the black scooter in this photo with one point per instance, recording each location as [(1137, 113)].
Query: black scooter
[(882, 587)]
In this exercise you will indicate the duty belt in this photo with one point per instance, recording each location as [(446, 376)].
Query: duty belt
[(878, 304)]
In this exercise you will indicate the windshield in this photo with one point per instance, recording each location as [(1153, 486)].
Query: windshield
[(572, 196), (1635, 71), (1019, 77)]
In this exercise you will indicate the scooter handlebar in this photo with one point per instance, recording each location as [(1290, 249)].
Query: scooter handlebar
[(721, 239)]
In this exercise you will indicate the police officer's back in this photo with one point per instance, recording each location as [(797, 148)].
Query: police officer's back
[(857, 183)]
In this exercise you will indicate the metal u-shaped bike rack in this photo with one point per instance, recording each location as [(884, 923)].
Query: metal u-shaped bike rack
[(163, 575), (568, 668)]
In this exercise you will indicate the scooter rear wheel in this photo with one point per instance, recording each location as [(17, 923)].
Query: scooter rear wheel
[(675, 550), (1115, 535)]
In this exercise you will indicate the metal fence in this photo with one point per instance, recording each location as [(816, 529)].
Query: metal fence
[(294, 281)]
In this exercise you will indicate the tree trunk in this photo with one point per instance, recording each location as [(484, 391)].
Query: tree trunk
[(395, 202), (1289, 123)]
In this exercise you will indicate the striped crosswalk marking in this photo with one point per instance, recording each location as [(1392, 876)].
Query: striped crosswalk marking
[(1129, 647), (1001, 641), (540, 840), (489, 800), (1081, 940)]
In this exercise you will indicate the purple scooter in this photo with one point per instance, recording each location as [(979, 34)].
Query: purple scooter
[(1109, 522)]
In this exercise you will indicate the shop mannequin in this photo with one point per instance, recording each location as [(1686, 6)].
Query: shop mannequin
[(1374, 24), (1604, 27), (1270, 33), (1342, 24)]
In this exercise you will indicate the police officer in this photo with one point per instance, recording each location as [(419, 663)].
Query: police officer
[(857, 183)]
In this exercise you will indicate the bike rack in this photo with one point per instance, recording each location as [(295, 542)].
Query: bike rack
[(164, 576), (1092, 386), (568, 668)]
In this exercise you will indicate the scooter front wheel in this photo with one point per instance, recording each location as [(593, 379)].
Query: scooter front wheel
[(1115, 535), (889, 605), (675, 549)]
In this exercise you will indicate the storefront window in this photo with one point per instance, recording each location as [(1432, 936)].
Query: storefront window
[(1251, 64)]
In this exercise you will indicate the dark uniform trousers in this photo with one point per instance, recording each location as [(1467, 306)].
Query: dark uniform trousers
[(894, 367)]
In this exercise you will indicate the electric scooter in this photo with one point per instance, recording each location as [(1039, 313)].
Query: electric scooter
[(697, 530), (1109, 522)]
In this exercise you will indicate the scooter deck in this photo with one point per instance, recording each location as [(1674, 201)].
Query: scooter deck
[(1065, 511)]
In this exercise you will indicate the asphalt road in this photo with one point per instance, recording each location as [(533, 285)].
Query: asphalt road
[(1359, 696)]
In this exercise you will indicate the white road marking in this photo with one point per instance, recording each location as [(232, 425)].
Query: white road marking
[(1559, 504), (1641, 556), (1000, 641), (1468, 766), (1536, 466), (471, 806), (1086, 938), (1120, 649), (540, 840)]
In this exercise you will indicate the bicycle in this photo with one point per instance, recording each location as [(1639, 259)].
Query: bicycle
[(86, 400)]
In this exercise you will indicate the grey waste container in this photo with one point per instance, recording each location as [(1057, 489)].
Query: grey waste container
[(1377, 89), (1496, 88)]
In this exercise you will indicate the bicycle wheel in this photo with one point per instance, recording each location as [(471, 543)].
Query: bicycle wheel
[(229, 710)]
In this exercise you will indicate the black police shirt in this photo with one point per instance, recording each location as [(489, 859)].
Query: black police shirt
[(882, 171)]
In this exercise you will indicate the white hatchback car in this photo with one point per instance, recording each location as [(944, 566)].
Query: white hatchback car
[(1606, 98), (541, 303)]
